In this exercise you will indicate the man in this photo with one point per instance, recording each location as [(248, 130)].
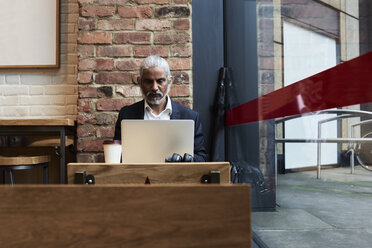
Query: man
[(155, 82)]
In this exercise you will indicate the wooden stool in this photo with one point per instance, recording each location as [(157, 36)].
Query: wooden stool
[(24, 163)]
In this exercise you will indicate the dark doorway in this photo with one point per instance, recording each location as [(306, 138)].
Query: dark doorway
[(225, 35)]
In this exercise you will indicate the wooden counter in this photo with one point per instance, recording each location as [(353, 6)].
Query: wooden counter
[(125, 216), (157, 173)]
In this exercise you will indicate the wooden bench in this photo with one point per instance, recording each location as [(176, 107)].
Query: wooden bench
[(125, 216), (24, 163)]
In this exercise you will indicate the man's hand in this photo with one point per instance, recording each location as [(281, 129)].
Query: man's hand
[(178, 158)]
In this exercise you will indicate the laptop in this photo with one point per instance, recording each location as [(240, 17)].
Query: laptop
[(151, 141)]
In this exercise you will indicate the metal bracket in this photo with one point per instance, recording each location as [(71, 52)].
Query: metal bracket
[(212, 177), (83, 178)]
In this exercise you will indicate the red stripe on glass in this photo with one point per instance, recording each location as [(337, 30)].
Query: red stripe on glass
[(346, 84)]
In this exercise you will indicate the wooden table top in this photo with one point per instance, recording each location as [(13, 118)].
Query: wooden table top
[(23, 160), (37, 122)]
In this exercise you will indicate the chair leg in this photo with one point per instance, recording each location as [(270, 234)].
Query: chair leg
[(10, 176), (46, 174), (2, 176)]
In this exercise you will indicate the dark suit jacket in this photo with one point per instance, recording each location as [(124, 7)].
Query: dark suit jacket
[(136, 111)]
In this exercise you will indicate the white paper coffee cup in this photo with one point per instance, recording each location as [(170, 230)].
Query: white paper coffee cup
[(112, 151)]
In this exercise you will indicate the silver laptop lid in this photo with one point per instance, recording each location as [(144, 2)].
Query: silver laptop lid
[(151, 141)]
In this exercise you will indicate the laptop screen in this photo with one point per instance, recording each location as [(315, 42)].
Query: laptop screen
[(151, 141)]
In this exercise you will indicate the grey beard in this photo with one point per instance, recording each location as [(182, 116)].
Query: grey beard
[(155, 101)]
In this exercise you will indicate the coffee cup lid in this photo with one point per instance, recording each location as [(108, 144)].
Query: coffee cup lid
[(112, 142)]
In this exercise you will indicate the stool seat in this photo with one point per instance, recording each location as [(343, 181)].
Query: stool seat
[(24, 163), (23, 160)]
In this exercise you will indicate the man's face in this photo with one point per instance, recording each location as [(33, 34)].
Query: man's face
[(154, 85)]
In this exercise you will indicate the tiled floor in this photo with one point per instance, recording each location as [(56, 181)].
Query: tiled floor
[(334, 211)]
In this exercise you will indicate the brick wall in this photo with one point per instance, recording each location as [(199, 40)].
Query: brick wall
[(114, 37), (43, 93), (265, 44)]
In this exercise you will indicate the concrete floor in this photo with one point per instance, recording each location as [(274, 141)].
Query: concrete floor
[(334, 211)]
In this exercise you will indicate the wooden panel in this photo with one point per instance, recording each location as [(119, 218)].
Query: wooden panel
[(37, 122), (125, 216), (23, 160), (157, 173)]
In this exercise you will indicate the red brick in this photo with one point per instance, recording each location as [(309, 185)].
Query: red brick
[(87, 91), (179, 64), (171, 38), (112, 1), (135, 12), (106, 104), (266, 63), (152, 1), (83, 118), (180, 1), (114, 78), (180, 77), (96, 64), (123, 102), (85, 131), (183, 24), (84, 106), (85, 77), (128, 90), (179, 90), (116, 24), (97, 11), (144, 51), (181, 51), (112, 104), (85, 158), (128, 64), (104, 64), (106, 132), (95, 38), (86, 24), (152, 24), (87, 64), (90, 145), (132, 38), (85, 51), (114, 51)]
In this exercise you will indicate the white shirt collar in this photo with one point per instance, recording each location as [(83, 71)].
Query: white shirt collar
[(164, 115)]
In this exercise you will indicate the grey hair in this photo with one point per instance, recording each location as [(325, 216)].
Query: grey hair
[(154, 61)]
